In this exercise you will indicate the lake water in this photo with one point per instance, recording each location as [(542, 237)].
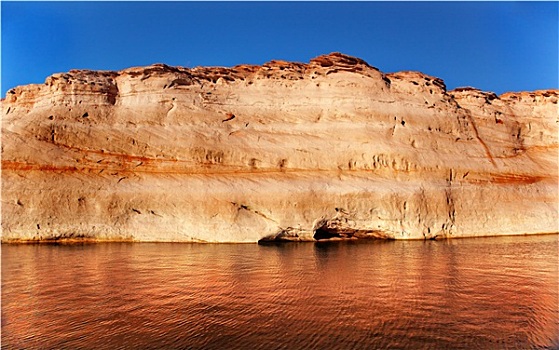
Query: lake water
[(487, 293)]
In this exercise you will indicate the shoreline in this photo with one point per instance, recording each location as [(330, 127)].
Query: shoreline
[(268, 242)]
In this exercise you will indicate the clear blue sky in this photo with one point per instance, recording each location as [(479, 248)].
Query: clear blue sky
[(494, 46)]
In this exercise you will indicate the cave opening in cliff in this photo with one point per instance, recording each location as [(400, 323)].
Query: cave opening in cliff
[(323, 233)]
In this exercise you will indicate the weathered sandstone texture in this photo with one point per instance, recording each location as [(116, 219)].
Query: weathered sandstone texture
[(287, 151)]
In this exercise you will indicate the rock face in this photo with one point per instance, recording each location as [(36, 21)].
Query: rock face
[(331, 149)]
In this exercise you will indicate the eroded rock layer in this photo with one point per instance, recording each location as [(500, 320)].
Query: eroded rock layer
[(331, 149)]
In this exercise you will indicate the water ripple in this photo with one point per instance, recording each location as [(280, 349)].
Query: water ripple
[(478, 293)]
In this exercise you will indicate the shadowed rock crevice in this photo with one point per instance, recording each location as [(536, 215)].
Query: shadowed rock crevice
[(334, 233), (323, 233)]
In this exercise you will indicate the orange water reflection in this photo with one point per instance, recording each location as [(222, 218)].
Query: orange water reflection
[(475, 293)]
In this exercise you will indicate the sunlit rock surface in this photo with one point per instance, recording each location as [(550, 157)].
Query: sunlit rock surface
[(332, 149)]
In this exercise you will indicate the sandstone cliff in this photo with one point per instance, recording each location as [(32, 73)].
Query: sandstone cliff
[(329, 149)]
